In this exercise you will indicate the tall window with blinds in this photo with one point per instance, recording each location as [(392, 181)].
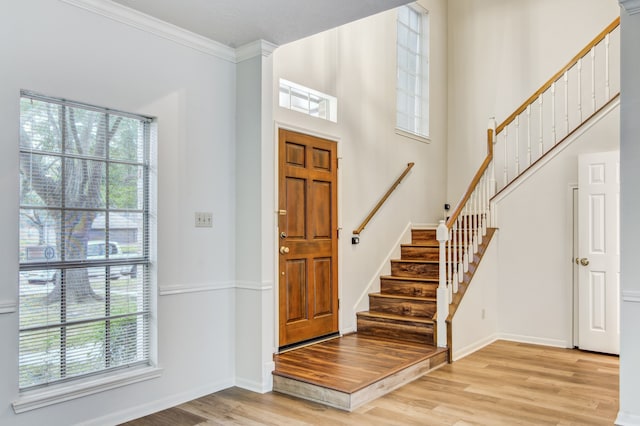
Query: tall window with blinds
[(412, 90), (84, 240)]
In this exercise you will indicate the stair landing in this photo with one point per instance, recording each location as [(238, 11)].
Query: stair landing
[(351, 370)]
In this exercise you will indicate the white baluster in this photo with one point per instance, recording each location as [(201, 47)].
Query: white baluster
[(465, 238), (483, 199), (476, 219), (517, 146), (456, 248), (485, 177), (554, 139), (450, 258), (442, 301), (566, 102), (505, 174), (593, 78), (579, 91), (529, 135), (607, 87), (494, 136), (469, 236), (541, 142), (461, 252)]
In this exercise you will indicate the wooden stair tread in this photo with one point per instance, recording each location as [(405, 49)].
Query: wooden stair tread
[(414, 279), (400, 297), (415, 261), (393, 317)]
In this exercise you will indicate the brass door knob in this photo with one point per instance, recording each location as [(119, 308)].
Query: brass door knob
[(584, 261), (284, 250)]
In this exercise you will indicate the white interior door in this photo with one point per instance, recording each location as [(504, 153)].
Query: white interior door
[(598, 252)]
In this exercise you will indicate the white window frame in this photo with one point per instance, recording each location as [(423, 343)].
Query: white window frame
[(296, 97), (412, 73), (75, 387)]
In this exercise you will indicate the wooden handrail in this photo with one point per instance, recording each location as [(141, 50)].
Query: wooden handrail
[(474, 182), (383, 199), (559, 74)]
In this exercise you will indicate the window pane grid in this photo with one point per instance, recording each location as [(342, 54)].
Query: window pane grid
[(84, 246), (412, 87), (307, 101)]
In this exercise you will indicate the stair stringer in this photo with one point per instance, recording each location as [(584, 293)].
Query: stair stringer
[(475, 323)]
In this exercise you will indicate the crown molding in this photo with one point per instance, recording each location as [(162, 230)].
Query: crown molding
[(256, 48), (631, 6), (155, 26)]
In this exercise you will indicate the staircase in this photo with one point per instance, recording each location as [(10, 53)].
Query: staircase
[(405, 307), (406, 304)]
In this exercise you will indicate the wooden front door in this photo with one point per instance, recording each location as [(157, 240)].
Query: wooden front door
[(308, 246)]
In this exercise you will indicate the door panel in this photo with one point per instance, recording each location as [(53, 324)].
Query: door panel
[(322, 287), (598, 252), (308, 288), (321, 200), (296, 272)]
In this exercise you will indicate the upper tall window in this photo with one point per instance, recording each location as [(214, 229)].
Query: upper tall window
[(84, 240), (413, 72)]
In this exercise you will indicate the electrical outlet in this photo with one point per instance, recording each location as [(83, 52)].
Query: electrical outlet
[(204, 219)]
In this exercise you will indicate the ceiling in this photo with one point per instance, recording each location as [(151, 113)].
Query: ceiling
[(238, 22)]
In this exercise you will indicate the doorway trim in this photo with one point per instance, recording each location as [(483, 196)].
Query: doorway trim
[(278, 125)]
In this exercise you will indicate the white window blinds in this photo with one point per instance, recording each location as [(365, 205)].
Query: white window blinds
[(412, 90), (84, 240)]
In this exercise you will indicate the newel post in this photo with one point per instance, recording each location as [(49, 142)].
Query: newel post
[(442, 235)]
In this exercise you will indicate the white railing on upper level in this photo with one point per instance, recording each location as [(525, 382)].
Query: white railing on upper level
[(587, 84)]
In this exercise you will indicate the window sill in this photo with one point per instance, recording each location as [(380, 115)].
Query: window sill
[(413, 136), (32, 400)]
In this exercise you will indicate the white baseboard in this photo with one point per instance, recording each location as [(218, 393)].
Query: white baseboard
[(627, 419), (473, 347), (158, 405), (534, 340), (253, 386)]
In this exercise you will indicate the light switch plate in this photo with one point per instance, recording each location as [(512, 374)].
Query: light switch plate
[(204, 219)]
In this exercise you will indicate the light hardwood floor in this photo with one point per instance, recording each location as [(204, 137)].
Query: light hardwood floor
[(504, 383)]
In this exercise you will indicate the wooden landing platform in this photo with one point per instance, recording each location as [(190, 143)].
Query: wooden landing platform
[(352, 370)]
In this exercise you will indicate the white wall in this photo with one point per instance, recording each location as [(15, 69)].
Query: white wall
[(356, 63), (535, 243), (500, 52), (60, 50), (630, 228)]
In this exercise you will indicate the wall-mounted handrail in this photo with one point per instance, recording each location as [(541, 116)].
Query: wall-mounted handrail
[(382, 200)]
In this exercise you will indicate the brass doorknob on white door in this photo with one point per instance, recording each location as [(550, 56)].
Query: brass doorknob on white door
[(284, 250), (584, 261)]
